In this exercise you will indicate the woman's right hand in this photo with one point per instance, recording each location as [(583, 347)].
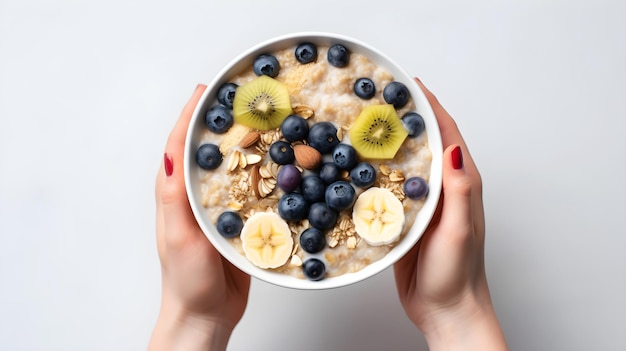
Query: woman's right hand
[(441, 282)]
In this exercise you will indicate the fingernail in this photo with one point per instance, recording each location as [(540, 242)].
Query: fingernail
[(198, 87), (457, 158), (168, 164)]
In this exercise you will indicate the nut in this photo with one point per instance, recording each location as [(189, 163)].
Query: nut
[(307, 156), (296, 261), (250, 139), (253, 159), (233, 160), (255, 177), (243, 162)]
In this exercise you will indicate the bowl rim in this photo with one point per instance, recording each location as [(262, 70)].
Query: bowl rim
[(400, 248)]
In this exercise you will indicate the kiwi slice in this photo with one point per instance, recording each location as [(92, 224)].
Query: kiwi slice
[(262, 103), (378, 132)]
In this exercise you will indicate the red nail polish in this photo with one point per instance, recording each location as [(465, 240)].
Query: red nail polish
[(457, 158), (168, 164)]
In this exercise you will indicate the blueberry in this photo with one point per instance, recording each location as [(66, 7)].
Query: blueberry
[(323, 137), (415, 188), (312, 188), (414, 124), (396, 93), (288, 178), (344, 156), (314, 269), (281, 152), (306, 52), (219, 119), (338, 55), (266, 65), (340, 195), (321, 216), (312, 240), (226, 94), (363, 175), (294, 128), (229, 224), (364, 88), (329, 172), (208, 156), (292, 207)]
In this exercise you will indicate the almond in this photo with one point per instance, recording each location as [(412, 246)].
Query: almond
[(255, 177), (249, 139), (307, 156)]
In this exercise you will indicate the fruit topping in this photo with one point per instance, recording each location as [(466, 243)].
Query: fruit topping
[(414, 124), (363, 175), (314, 269), (229, 224), (364, 88), (344, 156), (312, 240), (226, 94), (312, 188), (266, 240), (293, 207), (262, 103), (266, 65), (219, 119), (306, 53), (378, 132), (340, 195), (294, 128), (415, 188), (208, 156), (378, 216), (288, 178), (329, 172), (281, 152), (323, 137), (338, 55), (321, 216), (396, 93)]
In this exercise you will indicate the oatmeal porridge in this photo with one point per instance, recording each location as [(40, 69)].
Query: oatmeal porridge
[(314, 162)]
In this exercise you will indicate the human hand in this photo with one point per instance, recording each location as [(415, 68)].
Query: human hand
[(441, 281), (203, 295)]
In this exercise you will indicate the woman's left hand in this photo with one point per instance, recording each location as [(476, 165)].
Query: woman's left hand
[(203, 295)]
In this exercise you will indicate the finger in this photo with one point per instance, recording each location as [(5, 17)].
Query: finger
[(457, 193), (450, 230), (450, 134), (176, 140), (177, 221)]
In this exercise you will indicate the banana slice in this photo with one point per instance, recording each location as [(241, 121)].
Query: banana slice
[(266, 240), (378, 216)]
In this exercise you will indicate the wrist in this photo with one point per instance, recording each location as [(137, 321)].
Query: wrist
[(177, 329), (467, 326)]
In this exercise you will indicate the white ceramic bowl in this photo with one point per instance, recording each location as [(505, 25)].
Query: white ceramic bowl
[(193, 172)]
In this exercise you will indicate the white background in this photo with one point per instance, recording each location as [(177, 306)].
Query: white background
[(90, 89)]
